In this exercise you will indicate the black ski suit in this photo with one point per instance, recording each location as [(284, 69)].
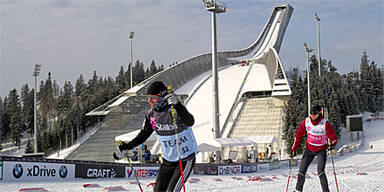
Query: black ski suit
[(161, 121)]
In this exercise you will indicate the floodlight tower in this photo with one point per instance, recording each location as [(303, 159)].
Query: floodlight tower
[(318, 41), (213, 7), (309, 90), (131, 34), (36, 72)]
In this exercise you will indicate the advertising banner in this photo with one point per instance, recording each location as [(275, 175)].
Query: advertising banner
[(263, 167), (205, 169), (229, 170), (284, 164), (273, 166), (99, 171), (249, 168), (142, 172), (36, 171)]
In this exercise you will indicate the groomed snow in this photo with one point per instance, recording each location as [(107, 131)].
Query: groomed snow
[(348, 167)]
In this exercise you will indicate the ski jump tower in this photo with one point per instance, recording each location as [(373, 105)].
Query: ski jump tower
[(251, 96)]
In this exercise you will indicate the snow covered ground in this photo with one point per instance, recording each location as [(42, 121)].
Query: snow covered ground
[(361, 170)]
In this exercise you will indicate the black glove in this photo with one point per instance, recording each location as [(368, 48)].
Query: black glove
[(124, 146), (116, 156)]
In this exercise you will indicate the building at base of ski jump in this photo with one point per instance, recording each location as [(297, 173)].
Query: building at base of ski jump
[(252, 93)]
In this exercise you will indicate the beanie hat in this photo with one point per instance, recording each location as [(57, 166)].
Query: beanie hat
[(315, 109), (156, 88)]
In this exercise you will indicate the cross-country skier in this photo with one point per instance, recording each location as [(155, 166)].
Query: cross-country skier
[(318, 130), (158, 118)]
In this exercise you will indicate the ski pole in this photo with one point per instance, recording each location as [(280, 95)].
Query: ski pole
[(177, 141), (333, 164), (134, 171), (290, 169)]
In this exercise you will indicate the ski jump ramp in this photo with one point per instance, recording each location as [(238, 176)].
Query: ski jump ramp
[(191, 79)]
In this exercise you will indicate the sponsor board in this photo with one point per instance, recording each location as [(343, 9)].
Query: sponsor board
[(99, 171), (248, 168), (142, 172), (229, 170), (36, 171), (205, 169), (284, 164), (263, 167), (273, 166)]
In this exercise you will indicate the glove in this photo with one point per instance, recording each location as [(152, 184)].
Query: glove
[(116, 156), (124, 146), (171, 99), (332, 146)]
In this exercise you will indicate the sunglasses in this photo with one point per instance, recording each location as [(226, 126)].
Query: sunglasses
[(314, 113), (152, 96)]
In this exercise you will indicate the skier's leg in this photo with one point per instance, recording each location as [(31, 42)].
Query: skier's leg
[(321, 161), (176, 183), (164, 176), (305, 162)]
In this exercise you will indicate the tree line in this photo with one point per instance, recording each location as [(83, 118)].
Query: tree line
[(342, 94), (61, 111)]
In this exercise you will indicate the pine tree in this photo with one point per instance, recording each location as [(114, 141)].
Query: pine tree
[(16, 123), (80, 86), (47, 100), (138, 73), (379, 90), (364, 82), (376, 99), (27, 98), (352, 92), (152, 68), (120, 79), (147, 73), (333, 112), (5, 119), (64, 111)]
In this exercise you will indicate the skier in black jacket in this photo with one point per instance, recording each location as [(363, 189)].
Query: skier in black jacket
[(159, 118)]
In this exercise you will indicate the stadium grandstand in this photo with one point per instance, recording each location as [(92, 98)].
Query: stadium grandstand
[(252, 93)]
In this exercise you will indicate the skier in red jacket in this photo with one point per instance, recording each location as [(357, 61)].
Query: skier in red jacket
[(318, 131)]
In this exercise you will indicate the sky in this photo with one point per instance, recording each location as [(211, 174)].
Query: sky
[(69, 38)]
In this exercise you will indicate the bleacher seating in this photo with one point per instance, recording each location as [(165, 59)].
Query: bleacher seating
[(261, 117)]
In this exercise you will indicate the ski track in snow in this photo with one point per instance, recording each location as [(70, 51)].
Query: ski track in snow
[(365, 160)]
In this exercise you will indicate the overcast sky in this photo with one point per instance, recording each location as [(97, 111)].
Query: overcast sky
[(69, 38)]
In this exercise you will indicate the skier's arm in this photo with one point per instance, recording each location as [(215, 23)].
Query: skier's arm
[(299, 135), (183, 115), (143, 135), (331, 134)]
